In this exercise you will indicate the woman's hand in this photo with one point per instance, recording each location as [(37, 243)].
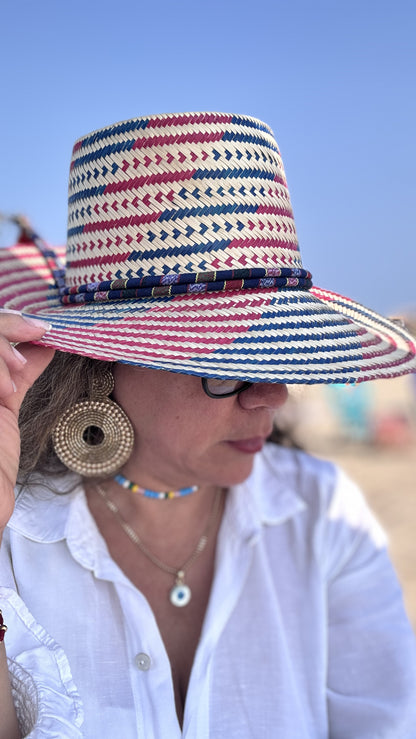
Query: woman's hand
[(20, 366)]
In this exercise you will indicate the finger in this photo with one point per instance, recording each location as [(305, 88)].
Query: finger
[(11, 356), (12, 361), (7, 383), (14, 385), (16, 327), (37, 359)]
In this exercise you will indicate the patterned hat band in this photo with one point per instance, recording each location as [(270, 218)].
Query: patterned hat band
[(182, 284)]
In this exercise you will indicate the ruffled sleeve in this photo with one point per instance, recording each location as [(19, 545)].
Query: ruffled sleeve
[(46, 698)]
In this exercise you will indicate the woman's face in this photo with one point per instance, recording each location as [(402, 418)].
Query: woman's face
[(183, 437)]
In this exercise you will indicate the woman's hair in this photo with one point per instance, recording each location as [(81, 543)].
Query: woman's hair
[(67, 380)]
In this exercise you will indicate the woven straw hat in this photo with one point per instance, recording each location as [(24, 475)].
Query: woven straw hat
[(182, 255)]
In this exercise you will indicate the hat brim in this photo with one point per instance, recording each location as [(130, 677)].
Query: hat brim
[(260, 335)]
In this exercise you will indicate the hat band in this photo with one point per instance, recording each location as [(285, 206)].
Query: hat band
[(187, 283)]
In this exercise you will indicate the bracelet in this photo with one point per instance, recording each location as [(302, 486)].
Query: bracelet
[(3, 627)]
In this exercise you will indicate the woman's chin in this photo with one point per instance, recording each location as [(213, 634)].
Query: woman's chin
[(236, 473)]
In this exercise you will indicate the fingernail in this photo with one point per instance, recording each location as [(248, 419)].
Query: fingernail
[(14, 387), (32, 321), (18, 355), (38, 323)]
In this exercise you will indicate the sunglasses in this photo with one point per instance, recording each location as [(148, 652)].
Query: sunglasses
[(216, 388)]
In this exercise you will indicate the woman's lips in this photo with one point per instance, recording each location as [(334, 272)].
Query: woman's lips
[(248, 446)]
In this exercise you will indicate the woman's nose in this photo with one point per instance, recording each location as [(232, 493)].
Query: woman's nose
[(263, 394)]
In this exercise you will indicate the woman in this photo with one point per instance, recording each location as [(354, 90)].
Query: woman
[(193, 580)]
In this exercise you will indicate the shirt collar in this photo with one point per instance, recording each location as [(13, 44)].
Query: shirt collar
[(267, 497), (49, 517), (41, 512)]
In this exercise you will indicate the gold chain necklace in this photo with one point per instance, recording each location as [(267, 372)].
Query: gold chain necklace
[(180, 594)]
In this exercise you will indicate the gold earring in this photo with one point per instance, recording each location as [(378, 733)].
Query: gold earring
[(94, 437)]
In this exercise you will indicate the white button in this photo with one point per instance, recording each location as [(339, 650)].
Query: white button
[(143, 661)]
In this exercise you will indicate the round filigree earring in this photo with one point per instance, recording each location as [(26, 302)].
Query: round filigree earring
[(94, 437)]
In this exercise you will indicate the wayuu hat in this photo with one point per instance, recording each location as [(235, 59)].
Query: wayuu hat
[(182, 255)]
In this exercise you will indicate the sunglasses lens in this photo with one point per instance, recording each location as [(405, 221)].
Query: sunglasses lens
[(219, 388)]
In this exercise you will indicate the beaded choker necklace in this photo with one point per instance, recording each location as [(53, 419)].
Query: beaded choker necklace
[(135, 488)]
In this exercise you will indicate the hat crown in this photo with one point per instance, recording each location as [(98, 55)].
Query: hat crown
[(177, 194)]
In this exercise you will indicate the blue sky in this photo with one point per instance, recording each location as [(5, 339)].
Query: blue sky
[(334, 79)]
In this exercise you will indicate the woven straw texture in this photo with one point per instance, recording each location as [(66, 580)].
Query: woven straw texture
[(182, 255)]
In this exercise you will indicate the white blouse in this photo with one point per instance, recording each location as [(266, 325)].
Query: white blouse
[(305, 635)]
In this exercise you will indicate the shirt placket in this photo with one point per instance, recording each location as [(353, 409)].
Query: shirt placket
[(233, 560), (150, 670)]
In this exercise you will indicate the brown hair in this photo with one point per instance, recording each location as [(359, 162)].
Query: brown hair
[(67, 380)]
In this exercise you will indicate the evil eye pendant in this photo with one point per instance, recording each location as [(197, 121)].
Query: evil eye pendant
[(180, 595)]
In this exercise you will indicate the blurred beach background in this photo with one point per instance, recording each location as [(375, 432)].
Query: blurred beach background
[(336, 81), (370, 431)]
